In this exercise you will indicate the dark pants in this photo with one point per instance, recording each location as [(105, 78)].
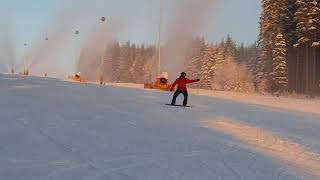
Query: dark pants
[(177, 93)]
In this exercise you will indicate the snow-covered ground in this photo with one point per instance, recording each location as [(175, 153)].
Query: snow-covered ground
[(51, 129), (280, 103)]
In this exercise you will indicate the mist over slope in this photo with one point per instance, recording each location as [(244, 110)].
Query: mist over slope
[(189, 18), (7, 45)]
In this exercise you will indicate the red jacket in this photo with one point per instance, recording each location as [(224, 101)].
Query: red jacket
[(182, 83)]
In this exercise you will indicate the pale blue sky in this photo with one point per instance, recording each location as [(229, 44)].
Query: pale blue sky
[(32, 21), (237, 17), (31, 18)]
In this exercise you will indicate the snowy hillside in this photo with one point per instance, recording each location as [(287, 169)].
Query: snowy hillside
[(56, 130)]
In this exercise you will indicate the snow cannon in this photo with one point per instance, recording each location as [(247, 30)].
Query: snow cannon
[(77, 77), (161, 83)]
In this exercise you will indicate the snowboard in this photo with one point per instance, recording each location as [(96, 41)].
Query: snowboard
[(177, 105)]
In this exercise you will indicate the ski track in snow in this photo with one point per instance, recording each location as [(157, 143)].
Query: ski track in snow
[(58, 130), (269, 144)]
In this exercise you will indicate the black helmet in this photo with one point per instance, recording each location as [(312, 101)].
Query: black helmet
[(183, 74)]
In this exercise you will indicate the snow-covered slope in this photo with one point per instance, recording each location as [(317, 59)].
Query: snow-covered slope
[(58, 130), (280, 103)]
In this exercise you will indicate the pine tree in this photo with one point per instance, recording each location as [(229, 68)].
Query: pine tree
[(233, 77), (107, 69), (271, 21), (289, 33), (230, 47), (125, 63), (221, 57), (304, 33), (116, 50), (267, 26), (314, 28), (150, 64), (133, 52), (195, 58), (220, 61), (138, 65), (279, 65), (286, 20), (111, 64), (240, 54), (207, 68), (314, 22), (301, 18), (250, 56)]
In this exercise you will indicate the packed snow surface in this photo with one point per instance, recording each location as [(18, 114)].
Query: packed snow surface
[(56, 130)]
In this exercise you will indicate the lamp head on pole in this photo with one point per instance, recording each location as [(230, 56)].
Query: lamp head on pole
[(103, 19)]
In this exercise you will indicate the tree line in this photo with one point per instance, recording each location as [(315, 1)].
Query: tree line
[(285, 58), (290, 48), (132, 63), (120, 63)]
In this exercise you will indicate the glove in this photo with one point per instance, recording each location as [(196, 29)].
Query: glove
[(198, 80)]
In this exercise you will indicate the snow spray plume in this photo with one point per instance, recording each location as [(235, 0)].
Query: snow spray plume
[(7, 47), (94, 49), (52, 52), (56, 51), (189, 18)]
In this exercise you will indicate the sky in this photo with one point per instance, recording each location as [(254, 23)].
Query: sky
[(31, 21), (140, 17)]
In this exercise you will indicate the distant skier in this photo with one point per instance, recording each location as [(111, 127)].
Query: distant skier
[(182, 82), (101, 80)]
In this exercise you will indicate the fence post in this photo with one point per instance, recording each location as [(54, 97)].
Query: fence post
[(198, 89)]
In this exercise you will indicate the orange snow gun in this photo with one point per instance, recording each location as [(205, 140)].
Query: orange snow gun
[(161, 83)]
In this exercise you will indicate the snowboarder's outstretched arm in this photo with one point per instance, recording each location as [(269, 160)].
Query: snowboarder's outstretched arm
[(192, 81)]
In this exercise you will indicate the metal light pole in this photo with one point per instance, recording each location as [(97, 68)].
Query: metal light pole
[(46, 74), (159, 36), (100, 71), (159, 45), (76, 33), (24, 60)]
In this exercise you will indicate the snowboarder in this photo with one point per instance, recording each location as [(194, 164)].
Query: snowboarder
[(182, 82)]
